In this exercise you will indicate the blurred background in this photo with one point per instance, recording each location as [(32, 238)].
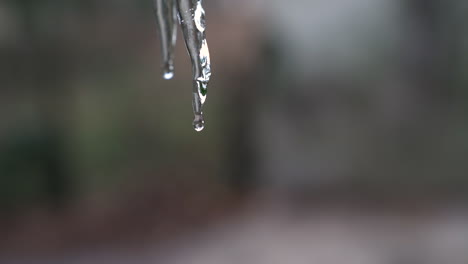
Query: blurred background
[(337, 132)]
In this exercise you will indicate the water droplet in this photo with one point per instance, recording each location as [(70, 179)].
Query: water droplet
[(198, 123), (168, 75)]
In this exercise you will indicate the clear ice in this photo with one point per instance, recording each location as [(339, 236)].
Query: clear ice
[(191, 17)]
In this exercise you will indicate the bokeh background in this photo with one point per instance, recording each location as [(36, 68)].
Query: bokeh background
[(337, 132)]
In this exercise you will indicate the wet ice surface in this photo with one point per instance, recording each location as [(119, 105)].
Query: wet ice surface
[(166, 15), (269, 233), (191, 17)]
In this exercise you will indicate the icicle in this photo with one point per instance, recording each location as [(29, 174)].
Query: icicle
[(166, 14), (192, 20)]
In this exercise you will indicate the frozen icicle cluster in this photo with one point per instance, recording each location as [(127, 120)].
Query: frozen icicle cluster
[(191, 16)]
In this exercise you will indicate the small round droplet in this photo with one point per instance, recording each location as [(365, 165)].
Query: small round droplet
[(168, 75), (198, 123), (168, 70)]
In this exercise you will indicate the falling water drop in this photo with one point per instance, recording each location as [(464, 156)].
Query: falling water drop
[(192, 20)]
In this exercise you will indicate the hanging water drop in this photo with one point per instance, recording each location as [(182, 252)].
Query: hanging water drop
[(168, 74), (198, 123), (192, 20)]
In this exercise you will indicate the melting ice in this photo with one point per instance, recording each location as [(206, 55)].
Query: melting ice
[(191, 16)]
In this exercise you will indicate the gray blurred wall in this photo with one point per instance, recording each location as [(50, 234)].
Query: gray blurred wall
[(361, 91)]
